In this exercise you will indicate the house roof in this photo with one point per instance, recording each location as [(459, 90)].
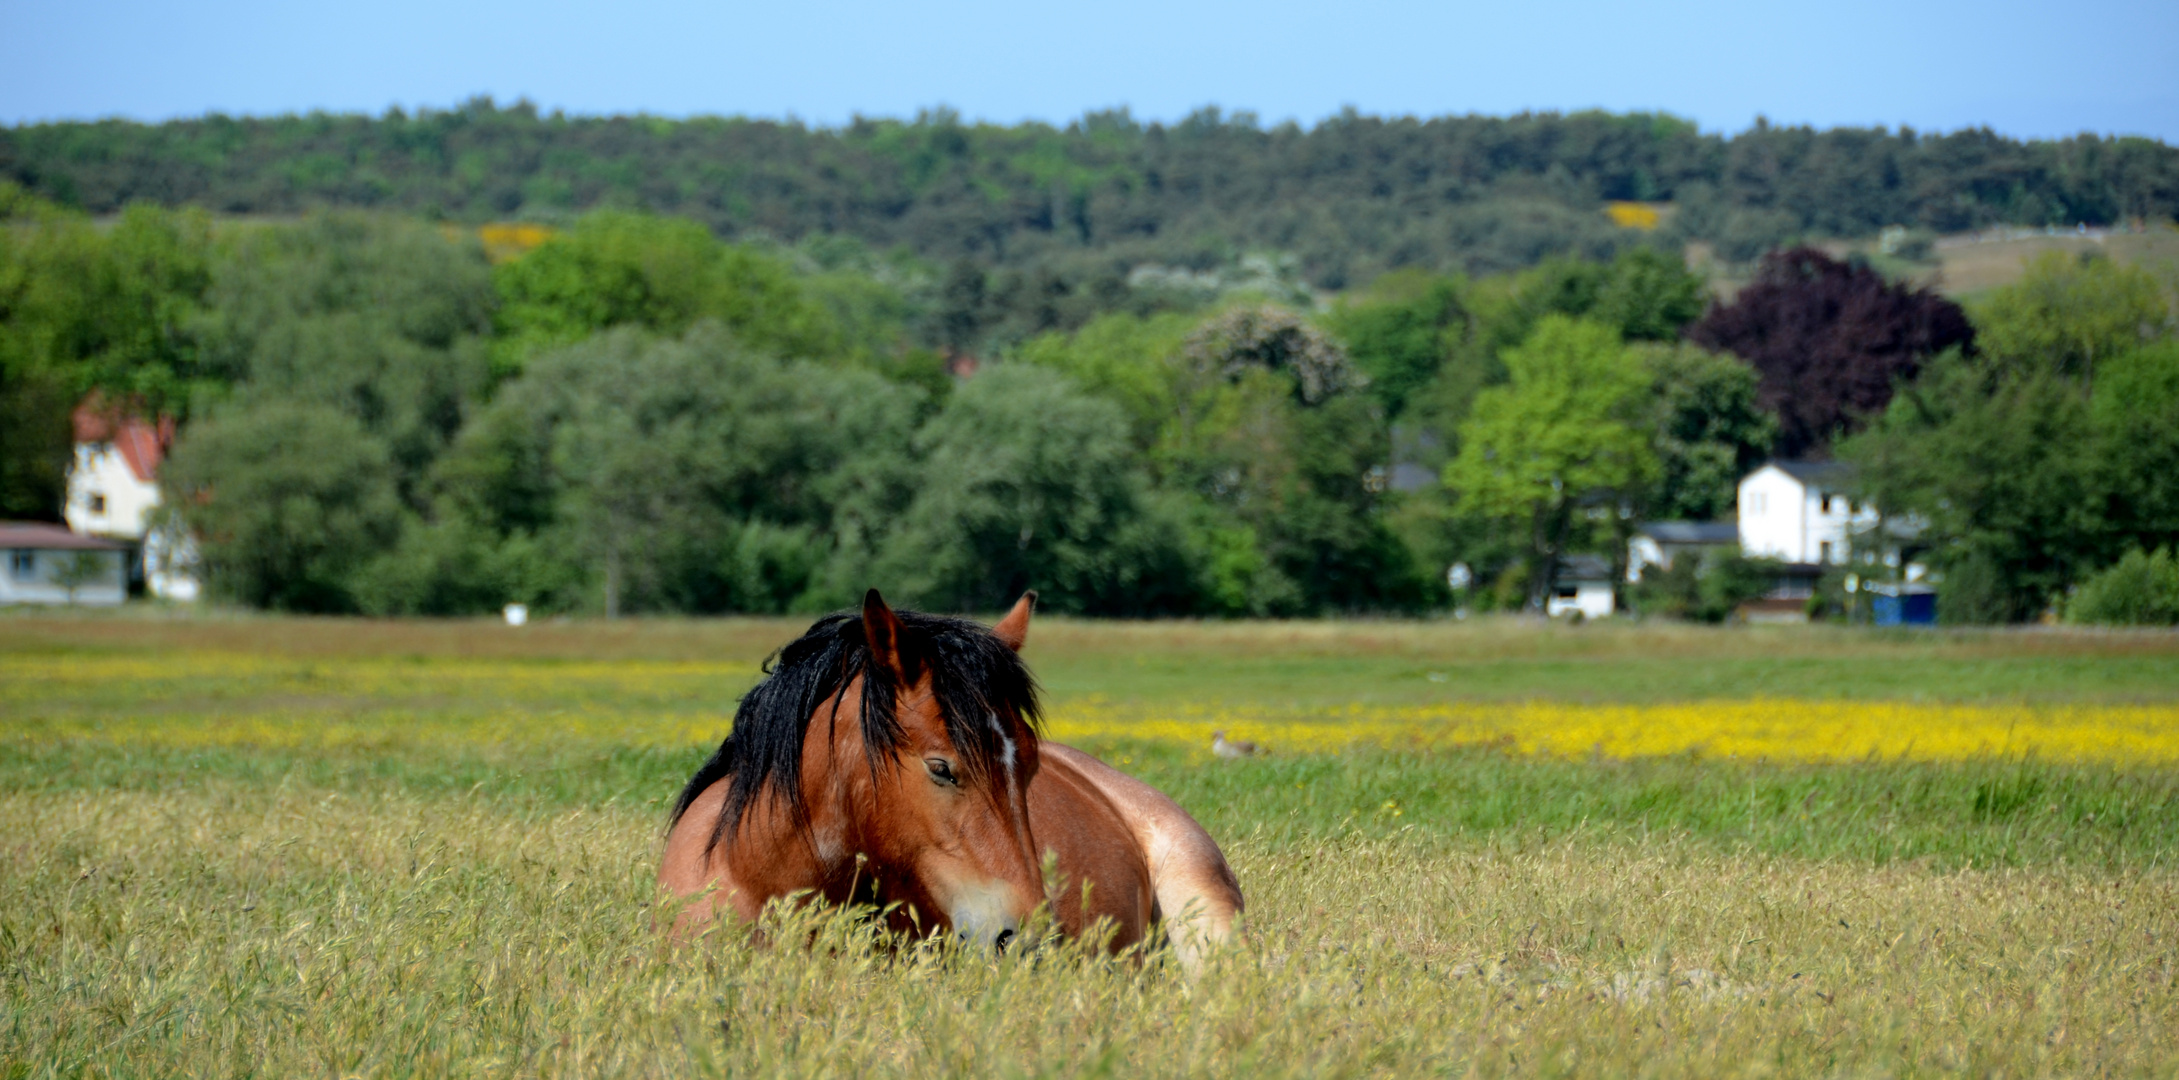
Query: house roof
[(1585, 568), (141, 443), (1408, 476), (1691, 532), (37, 534), (1821, 475)]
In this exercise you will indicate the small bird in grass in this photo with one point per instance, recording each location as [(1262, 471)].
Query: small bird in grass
[(1225, 748)]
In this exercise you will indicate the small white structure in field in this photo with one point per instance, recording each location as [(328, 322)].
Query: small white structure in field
[(113, 487), (47, 564), (1799, 512), (1583, 584)]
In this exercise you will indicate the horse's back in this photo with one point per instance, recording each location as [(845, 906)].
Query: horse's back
[(1075, 820), (1193, 888)]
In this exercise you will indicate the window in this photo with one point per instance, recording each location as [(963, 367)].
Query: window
[(1761, 501), (1827, 504), (1823, 552), (98, 503), (22, 564)]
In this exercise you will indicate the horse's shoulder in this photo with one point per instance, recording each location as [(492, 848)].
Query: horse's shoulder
[(1147, 809), (686, 866), (1076, 801), (1185, 863), (692, 873)]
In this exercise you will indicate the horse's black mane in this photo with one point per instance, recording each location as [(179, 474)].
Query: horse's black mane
[(973, 675)]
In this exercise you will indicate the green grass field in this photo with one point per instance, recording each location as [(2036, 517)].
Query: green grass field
[(239, 845)]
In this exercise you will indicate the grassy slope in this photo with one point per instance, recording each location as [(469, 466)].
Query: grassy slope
[(1965, 269)]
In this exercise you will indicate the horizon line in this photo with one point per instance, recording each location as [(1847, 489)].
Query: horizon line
[(1236, 117)]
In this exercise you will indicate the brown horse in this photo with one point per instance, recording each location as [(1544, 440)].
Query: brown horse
[(894, 759)]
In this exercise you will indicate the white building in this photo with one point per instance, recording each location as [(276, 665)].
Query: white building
[(1583, 584), (113, 487), (1799, 512), (47, 564)]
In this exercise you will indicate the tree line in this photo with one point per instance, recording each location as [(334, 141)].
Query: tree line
[(636, 416), (1351, 197)]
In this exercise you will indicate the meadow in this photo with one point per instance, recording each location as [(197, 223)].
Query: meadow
[(255, 846)]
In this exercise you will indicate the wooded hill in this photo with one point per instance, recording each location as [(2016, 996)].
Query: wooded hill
[(1350, 197)]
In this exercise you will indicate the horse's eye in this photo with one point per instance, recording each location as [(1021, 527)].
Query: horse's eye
[(941, 770)]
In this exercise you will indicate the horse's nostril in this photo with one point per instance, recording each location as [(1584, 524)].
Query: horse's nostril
[(1006, 937)]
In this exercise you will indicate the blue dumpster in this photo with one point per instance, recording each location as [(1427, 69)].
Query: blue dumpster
[(1908, 604)]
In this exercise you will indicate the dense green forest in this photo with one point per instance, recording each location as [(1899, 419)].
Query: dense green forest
[(383, 413), (1348, 199)]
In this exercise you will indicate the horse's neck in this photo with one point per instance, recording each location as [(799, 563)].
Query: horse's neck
[(772, 856), (776, 855)]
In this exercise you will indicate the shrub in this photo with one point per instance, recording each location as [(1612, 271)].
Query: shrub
[(2139, 590), (1705, 589), (1974, 592)]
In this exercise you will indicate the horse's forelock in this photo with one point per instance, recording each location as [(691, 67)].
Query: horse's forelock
[(982, 687), (978, 682)]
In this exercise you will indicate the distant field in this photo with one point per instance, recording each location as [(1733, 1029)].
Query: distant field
[(254, 845), (1962, 267), (1306, 663), (1968, 268)]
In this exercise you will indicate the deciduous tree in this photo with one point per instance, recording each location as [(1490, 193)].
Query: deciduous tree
[(662, 274), (2067, 314), (1030, 483), (1707, 427), (1830, 339), (675, 473), (2000, 466), (287, 499), (383, 318), (1566, 431), (1397, 333)]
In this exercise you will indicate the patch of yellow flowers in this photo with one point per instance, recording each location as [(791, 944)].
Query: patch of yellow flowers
[(1750, 730), (1634, 215), (189, 700)]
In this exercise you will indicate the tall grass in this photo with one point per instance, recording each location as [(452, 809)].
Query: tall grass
[(247, 929)]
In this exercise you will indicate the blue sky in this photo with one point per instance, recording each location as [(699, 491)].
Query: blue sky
[(2023, 68)]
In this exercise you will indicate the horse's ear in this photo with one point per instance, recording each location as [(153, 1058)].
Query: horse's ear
[(1014, 629), (881, 631)]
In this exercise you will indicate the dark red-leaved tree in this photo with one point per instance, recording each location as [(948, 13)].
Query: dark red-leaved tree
[(1830, 340)]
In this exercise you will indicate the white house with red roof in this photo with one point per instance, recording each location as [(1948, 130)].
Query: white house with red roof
[(113, 488)]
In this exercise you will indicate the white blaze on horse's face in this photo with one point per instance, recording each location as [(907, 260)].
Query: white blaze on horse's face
[(1008, 775)]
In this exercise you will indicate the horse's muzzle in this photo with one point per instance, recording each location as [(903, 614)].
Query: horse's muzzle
[(985, 916)]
